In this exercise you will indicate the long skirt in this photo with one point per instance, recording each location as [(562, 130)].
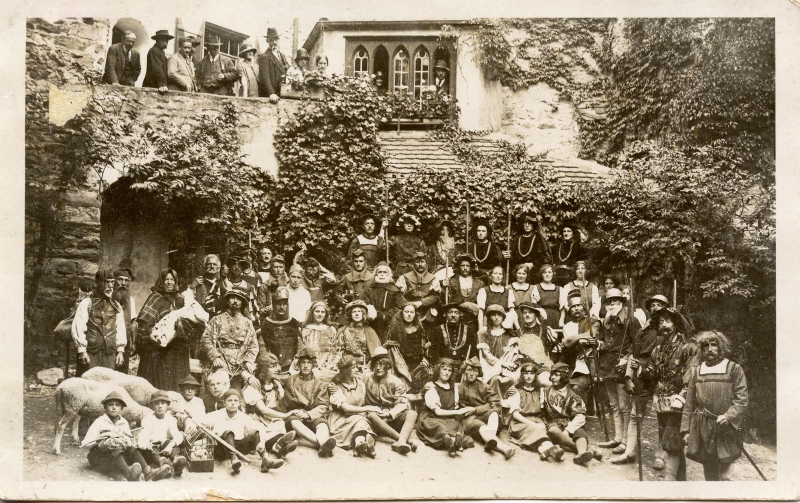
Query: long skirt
[(272, 427), (432, 429), (527, 435), (345, 428), (165, 367)]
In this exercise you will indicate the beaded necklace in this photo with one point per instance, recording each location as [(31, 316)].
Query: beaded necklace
[(519, 246)]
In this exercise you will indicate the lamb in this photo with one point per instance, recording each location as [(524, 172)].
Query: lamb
[(137, 387), (164, 331), (77, 397)]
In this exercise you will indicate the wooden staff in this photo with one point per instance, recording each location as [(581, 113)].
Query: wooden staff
[(637, 386), (508, 247), (675, 293), (466, 236), (387, 225)]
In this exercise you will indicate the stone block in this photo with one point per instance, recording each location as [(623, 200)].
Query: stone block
[(50, 377), (63, 266)]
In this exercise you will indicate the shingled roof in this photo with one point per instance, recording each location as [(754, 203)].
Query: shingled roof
[(409, 149)]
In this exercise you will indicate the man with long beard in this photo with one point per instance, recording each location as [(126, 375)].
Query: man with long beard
[(384, 300), (122, 294), (669, 371), (98, 328)]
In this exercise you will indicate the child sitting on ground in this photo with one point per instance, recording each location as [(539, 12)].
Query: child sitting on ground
[(110, 442), (565, 414), (239, 430), (160, 438), (189, 407)]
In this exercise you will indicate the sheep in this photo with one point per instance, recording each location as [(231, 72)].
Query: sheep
[(137, 387), (77, 397), (164, 331)]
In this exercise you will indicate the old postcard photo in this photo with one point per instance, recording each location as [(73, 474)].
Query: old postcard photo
[(400, 250)]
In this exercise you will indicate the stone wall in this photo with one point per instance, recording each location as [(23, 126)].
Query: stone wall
[(63, 238)]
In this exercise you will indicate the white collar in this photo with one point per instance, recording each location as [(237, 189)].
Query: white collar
[(719, 368)]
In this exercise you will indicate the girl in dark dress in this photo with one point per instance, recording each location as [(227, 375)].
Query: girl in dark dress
[(408, 336), (566, 253), (440, 423), (165, 367), (548, 295)]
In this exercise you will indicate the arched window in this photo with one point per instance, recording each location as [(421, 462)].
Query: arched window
[(422, 62), (401, 71), (361, 63)]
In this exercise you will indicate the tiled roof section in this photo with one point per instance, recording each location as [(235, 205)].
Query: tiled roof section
[(410, 149)]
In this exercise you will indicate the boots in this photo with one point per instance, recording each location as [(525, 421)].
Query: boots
[(132, 473), (489, 439), (583, 458), (401, 448), (285, 444), (505, 449), (236, 464), (467, 442), (179, 465), (162, 472), (326, 449), (452, 444)]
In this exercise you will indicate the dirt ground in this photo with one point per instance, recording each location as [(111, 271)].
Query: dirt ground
[(421, 473)]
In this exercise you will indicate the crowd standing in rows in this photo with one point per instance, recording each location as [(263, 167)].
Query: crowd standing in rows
[(457, 352)]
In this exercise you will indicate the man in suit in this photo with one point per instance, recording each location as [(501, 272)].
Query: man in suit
[(180, 67), (214, 74), (156, 75), (442, 77), (122, 62), (272, 68)]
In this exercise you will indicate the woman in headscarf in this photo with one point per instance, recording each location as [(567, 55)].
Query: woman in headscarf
[(165, 367), (408, 336), (318, 334)]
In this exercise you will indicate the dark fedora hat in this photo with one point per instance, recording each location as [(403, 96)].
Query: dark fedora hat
[(213, 40), (441, 65), (272, 33), (162, 34)]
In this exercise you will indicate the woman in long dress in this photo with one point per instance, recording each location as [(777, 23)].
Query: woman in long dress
[(548, 295), (406, 332), (318, 334), (495, 293), (440, 424), (348, 416), (520, 288), (165, 367)]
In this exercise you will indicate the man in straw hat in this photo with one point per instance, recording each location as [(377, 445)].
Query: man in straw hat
[(669, 371), (123, 64), (441, 77), (156, 74), (272, 67), (370, 241), (215, 74), (230, 342), (387, 392), (247, 72), (483, 421)]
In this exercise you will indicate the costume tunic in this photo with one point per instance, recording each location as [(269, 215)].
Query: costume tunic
[(432, 429), (234, 339), (373, 249), (325, 342), (485, 400), (346, 426), (715, 391), (564, 257), (527, 403), (454, 342), (405, 246), (564, 409), (358, 341), (487, 255), (530, 250), (549, 298), (279, 338), (617, 334), (389, 394), (590, 296), (310, 395)]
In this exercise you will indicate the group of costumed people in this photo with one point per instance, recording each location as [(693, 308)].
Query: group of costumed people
[(439, 341)]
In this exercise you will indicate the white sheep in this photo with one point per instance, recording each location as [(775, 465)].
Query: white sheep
[(164, 331), (77, 397), (137, 387)]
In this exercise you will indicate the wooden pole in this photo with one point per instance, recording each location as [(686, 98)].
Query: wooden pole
[(508, 247), (466, 236), (295, 35), (387, 225), (675, 293)]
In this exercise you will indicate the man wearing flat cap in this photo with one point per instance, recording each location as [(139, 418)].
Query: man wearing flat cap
[(247, 72), (122, 294), (156, 74), (230, 342), (272, 67), (215, 74)]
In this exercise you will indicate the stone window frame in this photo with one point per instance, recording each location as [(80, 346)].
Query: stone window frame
[(391, 43), (425, 75), (361, 61), (401, 54)]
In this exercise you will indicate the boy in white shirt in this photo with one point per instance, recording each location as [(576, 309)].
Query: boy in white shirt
[(111, 442), (239, 430), (160, 438), (189, 408)]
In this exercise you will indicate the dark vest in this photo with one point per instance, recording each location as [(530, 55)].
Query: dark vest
[(280, 339), (101, 329)]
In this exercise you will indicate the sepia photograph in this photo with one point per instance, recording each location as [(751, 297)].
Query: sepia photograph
[(375, 251)]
